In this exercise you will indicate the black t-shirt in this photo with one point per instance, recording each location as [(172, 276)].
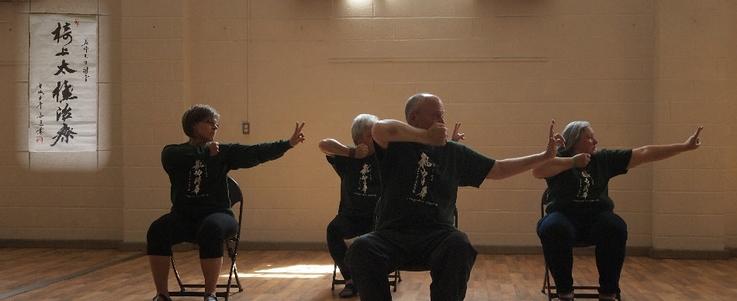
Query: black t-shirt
[(420, 183), (359, 185), (199, 181), (585, 190)]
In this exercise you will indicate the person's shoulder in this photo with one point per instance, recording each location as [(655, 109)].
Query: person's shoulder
[(175, 146), (335, 159), (454, 144), (458, 147), (611, 154), (608, 152)]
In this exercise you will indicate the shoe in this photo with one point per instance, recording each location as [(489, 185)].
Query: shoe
[(211, 297), (348, 291), (565, 297), (161, 297)]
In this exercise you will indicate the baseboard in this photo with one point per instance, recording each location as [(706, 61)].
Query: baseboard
[(321, 246), (690, 254), (509, 250), (532, 250), (141, 246), (263, 245)]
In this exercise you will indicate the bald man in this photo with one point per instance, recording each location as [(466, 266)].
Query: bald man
[(420, 175)]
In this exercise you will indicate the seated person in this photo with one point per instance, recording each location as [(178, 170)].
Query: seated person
[(580, 209), (200, 209), (420, 175), (359, 190)]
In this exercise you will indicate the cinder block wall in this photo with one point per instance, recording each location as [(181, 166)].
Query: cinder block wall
[(641, 71)]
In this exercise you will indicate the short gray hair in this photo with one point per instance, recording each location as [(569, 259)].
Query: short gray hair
[(413, 101), (572, 133), (361, 124)]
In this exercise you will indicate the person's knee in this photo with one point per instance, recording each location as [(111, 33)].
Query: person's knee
[(613, 227), (359, 254), (554, 229), (157, 242), (333, 228), (217, 229), (155, 231), (460, 244)]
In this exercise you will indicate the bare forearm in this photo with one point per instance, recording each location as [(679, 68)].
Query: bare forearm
[(512, 166), (390, 130), (651, 153), (333, 147), (553, 167)]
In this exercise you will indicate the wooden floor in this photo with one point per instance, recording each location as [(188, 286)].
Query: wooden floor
[(62, 274)]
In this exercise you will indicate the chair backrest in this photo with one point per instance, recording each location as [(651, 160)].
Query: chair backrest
[(234, 192), (455, 217), (236, 196), (544, 201)]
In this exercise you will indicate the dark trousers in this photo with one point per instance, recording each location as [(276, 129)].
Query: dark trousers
[(447, 253), (208, 231), (344, 227), (607, 231)]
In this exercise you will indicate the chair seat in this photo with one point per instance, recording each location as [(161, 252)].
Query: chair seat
[(231, 243)]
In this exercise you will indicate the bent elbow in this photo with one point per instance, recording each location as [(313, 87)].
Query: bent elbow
[(380, 132)]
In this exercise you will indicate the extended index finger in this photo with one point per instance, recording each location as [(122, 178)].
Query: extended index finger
[(552, 125), (698, 131)]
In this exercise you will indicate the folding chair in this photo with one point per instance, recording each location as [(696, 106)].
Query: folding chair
[(335, 273), (550, 290), (335, 278), (396, 277), (236, 197)]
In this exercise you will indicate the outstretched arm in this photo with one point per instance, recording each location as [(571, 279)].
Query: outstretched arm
[(332, 147), (650, 153), (561, 164), (508, 167), (391, 130)]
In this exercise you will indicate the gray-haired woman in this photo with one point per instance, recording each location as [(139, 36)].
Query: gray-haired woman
[(580, 210)]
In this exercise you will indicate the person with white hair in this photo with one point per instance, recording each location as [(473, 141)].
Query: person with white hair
[(359, 190), (580, 209), (420, 174)]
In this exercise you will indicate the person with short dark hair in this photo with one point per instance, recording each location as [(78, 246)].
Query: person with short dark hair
[(579, 207), (420, 175), (200, 211)]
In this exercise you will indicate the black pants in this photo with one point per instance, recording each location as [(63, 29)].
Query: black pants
[(208, 231), (559, 232), (344, 227), (447, 253)]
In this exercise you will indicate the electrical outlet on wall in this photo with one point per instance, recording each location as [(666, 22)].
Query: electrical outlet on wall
[(246, 127)]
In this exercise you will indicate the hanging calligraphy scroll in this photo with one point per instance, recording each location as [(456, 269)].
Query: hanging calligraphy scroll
[(63, 83)]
